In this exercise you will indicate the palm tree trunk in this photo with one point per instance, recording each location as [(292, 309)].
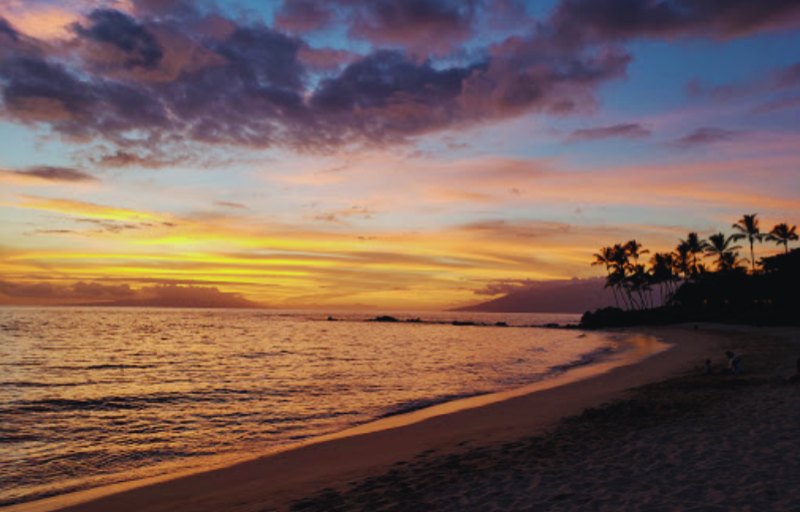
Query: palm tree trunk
[(752, 257)]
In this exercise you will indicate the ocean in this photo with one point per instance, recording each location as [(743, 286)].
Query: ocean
[(93, 396)]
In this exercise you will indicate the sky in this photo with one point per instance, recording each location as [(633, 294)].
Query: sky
[(393, 154)]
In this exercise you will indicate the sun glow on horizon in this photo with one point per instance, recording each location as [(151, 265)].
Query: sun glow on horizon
[(331, 157)]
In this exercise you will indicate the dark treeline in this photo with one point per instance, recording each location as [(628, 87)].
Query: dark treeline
[(703, 280)]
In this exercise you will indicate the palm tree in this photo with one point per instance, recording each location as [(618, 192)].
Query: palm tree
[(694, 245), (730, 261), (682, 262), (637, 281), (662, 266), (634, 250), (720, 246), (783, 234), (748, 228), (606, 257)]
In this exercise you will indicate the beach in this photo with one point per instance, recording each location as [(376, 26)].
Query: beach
[(655, 435)]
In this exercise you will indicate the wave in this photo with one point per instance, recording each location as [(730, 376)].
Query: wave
[(585, 359), (423, 403)]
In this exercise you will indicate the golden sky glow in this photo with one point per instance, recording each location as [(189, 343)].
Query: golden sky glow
[(315, 164)]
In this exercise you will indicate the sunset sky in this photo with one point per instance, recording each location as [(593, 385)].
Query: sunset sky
[(415, 154)]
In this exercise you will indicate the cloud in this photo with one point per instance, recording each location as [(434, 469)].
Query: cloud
[(79, 290), (606, 20), (423, 26), (7, 31), (629, 131), (362, 212), (782, 104), (325, 58), (125, 33), (159, 79), (162, 295), (157, 82), (88, 210), (706, 136), (46, 175), (506, 286), (146, 159), (786, 78), (303, 16), (228, 204), (780, 79)]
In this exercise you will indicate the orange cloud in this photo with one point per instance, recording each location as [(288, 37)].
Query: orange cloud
[(87, 210)]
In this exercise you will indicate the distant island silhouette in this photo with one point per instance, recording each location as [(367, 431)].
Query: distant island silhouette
[(562, 296)]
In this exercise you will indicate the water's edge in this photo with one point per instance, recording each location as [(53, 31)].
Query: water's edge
[(632, 349)]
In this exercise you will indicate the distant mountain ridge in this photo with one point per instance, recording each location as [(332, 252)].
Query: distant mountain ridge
[(566, 296)]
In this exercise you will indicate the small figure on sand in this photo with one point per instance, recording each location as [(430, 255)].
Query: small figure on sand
[(707, 370), (734, 363), (796, 376)]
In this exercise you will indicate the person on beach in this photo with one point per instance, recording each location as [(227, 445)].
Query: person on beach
[(734, 363), (707, 370)]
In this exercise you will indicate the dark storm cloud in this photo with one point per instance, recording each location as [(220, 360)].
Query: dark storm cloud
[(705, 136), (64, 174), (577, 20), (630, 131), (124, 32)]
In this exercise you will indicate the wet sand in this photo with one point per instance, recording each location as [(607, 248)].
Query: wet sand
[(656, 435)]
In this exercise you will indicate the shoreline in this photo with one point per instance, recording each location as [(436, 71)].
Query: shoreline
[(334, 459), (626, 348)]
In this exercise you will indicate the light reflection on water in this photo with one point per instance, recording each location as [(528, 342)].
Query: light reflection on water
[(90, 396)]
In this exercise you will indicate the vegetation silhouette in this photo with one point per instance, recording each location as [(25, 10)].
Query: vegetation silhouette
[(688, 290), (748, 228), (782, 234)]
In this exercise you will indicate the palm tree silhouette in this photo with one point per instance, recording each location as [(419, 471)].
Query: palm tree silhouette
[(720, 246), (662, 266), (730, 261), (748, 228), (783, 234), (694, 245), (682, 262), (606, 257)]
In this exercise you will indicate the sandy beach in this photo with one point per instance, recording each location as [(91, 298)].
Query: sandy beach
[(657, 435)]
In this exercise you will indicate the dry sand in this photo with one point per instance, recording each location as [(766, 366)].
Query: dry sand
[(631, 441)]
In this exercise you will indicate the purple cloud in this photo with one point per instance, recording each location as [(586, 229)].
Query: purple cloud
[(63, 174), (437, 26), (303, 16), (6, 30), (168, 78), (705, 136), (606, 20), (628, 131), (120, 30)]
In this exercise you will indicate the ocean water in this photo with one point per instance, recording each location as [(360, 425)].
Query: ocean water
[(92, 396)]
